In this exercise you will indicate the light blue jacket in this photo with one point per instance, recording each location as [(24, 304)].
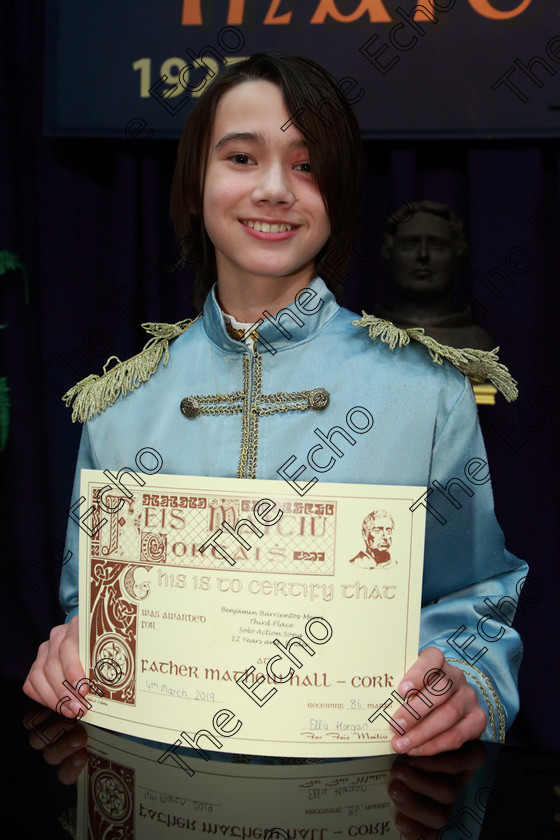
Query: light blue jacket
[(425, 430)]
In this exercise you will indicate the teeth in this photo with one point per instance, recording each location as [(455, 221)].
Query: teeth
[(265, 227)]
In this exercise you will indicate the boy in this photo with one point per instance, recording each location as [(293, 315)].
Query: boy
[(266, 198)]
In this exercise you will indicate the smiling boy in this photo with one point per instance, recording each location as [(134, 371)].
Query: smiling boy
[(263, 208), (256, 183)]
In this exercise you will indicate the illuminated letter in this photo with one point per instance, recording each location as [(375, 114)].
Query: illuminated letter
[(91, 532)]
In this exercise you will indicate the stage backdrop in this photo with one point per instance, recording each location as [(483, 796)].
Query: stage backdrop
[(89, 219), (447, 68)]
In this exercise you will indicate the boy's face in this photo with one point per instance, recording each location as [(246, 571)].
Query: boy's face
[(258, 176)]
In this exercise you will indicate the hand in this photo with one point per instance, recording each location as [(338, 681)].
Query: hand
[(57, 660), (64, 748), (424, 789), (451, 714)]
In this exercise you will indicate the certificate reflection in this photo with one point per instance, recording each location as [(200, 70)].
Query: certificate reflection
[(124, 790)]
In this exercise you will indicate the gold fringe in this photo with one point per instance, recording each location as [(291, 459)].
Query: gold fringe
[(97, 393), (168, 331), (479, 364)]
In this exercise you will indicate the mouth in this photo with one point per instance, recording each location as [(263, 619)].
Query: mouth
[(268, 227)]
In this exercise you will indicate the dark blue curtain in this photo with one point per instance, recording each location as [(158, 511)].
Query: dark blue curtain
[(89, 219)]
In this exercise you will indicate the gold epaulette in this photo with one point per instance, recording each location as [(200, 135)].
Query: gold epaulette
[(96, 393), (477, 364)]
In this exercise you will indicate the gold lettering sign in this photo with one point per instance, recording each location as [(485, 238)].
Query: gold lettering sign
[(327, 9), (484, 8), (285, 18), (376, 10)]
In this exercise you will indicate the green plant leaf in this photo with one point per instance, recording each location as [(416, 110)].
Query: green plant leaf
[(11, 262)]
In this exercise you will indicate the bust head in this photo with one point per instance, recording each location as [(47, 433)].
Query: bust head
[(377, 532), (423, 251)]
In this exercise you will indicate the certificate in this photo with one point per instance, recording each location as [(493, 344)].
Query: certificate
[(230, 614)]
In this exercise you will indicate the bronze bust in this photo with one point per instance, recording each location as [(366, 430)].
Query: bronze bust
[(423, 254)]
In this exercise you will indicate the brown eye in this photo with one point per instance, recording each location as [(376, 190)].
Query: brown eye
[(241, 159)]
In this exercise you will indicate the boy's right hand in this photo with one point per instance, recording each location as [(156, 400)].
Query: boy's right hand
[(57, 660)]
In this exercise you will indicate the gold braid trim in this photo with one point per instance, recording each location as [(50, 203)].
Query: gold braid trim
[(96, 393), (500, 708), (479, 364)]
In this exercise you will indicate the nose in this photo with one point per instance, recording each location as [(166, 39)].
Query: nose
[(273, 185), (422, 254)]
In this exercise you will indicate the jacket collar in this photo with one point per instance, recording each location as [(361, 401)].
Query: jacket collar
[(269, 334)]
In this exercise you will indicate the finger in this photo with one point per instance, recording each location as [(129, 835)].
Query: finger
[(462, 705), (410, 828), (47, 673), (430, 657), (468, 728), (440, 720), (428, 684), (46, 727), (29, 689), (469, 757), (437, 786), (426, 812), (70, 769), (69, 654), (71, 742), (38, 684), (61, 698)]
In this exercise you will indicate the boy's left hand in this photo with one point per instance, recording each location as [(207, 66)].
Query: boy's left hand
[(455, 716)]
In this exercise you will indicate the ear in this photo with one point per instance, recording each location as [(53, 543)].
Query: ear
[(387, 248), (461, 251)]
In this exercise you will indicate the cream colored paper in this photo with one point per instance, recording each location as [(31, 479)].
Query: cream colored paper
[(125, 791), (167, 631)]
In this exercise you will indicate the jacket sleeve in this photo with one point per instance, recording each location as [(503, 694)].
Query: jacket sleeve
[(471, 582), (69, 592)]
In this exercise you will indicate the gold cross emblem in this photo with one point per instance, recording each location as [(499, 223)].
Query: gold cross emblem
[(252, 404)]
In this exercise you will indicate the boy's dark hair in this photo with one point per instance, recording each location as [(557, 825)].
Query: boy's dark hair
[(320, 111)]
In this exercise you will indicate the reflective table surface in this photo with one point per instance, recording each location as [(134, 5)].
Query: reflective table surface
[(76, 780)]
